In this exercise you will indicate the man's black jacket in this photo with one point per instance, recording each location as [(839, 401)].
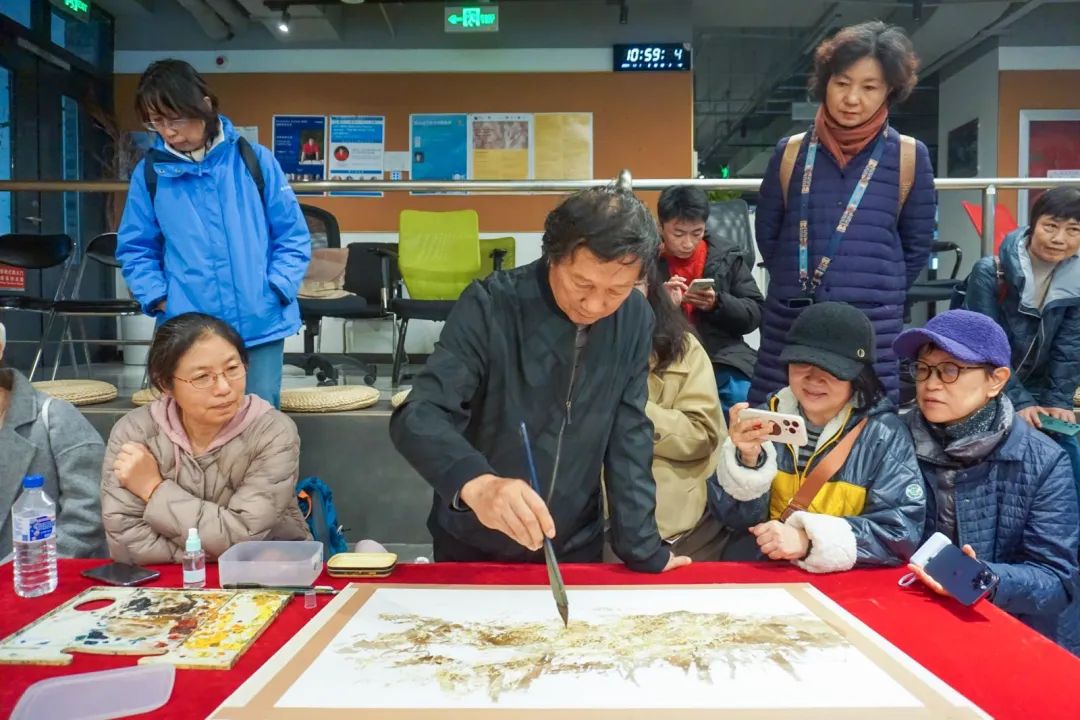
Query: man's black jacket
[(506, 355)]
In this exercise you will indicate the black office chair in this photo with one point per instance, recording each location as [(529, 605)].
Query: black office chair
[(730, 220), (934, 290), (370, 275), (101, 250), (37, 252)]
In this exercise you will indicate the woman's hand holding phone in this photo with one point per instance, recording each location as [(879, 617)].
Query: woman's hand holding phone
[(747, 435)]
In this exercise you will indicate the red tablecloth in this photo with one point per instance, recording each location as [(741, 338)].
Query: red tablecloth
[(1006, 669)]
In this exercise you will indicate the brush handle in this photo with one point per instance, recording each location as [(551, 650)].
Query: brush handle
[(530, 465)]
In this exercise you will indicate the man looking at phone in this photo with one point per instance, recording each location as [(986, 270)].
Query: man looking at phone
[(997, 486), (707, 275)]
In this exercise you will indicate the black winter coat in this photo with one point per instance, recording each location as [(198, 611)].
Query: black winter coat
[(506, 355)]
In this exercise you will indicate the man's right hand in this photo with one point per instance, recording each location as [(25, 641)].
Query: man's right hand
[(160, 306), (510, 506)]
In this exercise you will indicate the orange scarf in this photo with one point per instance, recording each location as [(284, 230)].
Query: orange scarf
[(844, 143)]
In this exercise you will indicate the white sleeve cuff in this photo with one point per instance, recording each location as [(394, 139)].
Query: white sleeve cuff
[(742, 483), (833, 547)]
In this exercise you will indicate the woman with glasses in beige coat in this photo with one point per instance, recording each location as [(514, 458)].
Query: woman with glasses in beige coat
[(205, 455)]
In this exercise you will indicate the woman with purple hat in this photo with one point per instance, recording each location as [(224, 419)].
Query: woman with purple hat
[(853, 495), (996, 486)]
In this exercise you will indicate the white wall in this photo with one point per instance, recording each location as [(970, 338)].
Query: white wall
[(969, 93)]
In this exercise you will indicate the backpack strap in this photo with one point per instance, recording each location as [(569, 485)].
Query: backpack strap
[(150, 176), (247, 153), (251, 162), (821, 473), (787, 163), (907, 167), (999, 273)]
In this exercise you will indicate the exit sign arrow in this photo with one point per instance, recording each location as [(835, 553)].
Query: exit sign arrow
[(464, 18)]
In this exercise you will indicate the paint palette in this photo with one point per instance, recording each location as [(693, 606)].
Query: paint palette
[(195, 629)]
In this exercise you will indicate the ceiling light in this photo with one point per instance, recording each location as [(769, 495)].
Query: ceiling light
[(283, 25)]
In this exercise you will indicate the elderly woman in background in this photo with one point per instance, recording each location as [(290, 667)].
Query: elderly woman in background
[(847, 210), (204, 455), (44, 436)]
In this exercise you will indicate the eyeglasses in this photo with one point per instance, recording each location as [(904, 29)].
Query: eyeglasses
[(947, 372), (160, 125), (205, 381)]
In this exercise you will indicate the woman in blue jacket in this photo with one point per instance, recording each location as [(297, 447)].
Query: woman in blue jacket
[(996, 487), (197, 233), (1033, 292), (836, 219)]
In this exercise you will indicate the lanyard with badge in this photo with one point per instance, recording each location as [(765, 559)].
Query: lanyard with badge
[(810, 284)]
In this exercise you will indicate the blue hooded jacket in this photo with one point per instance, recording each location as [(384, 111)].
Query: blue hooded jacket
[(1045, 342), (208, 243)]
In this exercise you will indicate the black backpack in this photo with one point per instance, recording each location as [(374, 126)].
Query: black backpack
[(251, 162), (959, 294)]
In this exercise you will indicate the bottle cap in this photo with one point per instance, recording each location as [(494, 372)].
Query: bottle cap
[(194, 544), (33, 481)]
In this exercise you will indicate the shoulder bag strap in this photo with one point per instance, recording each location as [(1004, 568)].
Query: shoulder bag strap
[(787, 163), (907, 167), (824, 470)]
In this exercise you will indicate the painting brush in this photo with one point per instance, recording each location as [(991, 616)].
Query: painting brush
[(295, 590), (558, 589)]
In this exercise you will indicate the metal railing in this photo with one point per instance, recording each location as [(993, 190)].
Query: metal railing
[(988, 186)]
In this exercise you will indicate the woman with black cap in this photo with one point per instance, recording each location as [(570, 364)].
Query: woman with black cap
[(853, 495)]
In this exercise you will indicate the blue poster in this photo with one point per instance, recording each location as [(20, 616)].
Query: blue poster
[(356, 150), (439, 146), (300, 147)]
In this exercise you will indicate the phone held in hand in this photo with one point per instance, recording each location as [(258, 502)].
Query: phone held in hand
[(966, 579), (1061, 427), (700, 285), (783, 428), (121, 574)]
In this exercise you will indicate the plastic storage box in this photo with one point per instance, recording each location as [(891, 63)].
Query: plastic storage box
[(272, 563)]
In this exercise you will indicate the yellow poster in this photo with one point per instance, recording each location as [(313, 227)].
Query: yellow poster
[(500, 146), (564, 146)]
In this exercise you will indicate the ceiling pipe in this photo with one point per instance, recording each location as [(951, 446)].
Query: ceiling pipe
[(230, 11)]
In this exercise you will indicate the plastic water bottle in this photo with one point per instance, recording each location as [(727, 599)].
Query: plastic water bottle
[(33, 526)]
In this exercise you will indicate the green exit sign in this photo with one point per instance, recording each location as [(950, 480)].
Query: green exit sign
[(471, 18), (79, 9)]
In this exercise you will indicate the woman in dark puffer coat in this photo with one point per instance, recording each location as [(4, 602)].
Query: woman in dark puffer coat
[(858, 75), (996, 486)]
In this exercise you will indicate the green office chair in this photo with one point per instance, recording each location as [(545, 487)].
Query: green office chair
[(438, 255), (496, 254)]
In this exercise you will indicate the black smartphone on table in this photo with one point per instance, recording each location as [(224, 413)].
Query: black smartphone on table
[(966, 579), (121, 574)]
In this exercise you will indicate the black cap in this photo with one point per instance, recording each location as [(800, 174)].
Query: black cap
[(835, 337)]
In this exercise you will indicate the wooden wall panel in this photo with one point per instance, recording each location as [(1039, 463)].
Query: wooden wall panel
[(641, 121), (1028, 90)]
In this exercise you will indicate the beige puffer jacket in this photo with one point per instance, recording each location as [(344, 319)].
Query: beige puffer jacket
[(688, 429), (241, 488)]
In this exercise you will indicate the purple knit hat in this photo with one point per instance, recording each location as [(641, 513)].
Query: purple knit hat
[(968, 336)]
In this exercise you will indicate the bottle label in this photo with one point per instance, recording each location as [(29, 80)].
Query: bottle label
[(194, 576), (33, 529)]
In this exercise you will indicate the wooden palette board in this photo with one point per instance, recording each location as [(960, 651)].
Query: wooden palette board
[(193, 629)]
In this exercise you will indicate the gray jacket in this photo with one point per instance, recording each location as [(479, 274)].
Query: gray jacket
[(68, 453)]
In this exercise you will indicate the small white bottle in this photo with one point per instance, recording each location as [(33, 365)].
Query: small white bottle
[(194, 561)]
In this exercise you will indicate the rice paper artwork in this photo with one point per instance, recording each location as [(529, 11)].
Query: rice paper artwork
[(665, 651), (195, 629)]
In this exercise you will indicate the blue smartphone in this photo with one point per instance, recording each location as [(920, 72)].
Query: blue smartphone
[(965, 579)]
